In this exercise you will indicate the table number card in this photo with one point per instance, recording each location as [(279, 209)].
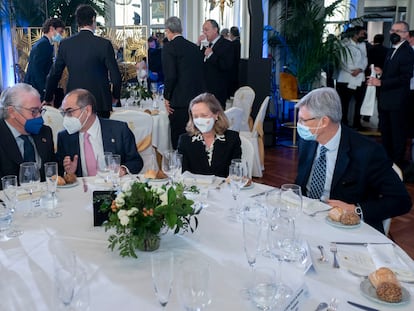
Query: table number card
[(298, 299)]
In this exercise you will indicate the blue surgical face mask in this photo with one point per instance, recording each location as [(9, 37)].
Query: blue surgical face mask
[(33, 126), (305, 132), (57, 37)]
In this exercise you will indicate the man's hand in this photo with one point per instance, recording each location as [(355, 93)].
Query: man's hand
[(372, 81), (69, 165), (355, 72), (341, 204), (167, 106)]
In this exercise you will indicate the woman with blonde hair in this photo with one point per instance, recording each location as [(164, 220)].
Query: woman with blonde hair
[(208, 146)]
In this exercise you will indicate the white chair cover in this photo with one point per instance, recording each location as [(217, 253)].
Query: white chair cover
[(235, 116), (256, 137), (54, 119), (244, 98), (140, 123), (247, 153)]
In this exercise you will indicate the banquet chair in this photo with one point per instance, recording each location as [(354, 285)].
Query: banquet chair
[(140, 123), (54, 119), (235, 116), (247, 153), (256, 137), (244, 98), (387, 222), (289, 92)]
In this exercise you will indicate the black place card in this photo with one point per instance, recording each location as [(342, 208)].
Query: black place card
[(100, 197)]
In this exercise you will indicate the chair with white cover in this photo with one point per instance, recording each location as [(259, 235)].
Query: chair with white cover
[(140, 123), (244, 98), (54, 119), (386, 223), (235, 116), (247, 153), (256, 137)]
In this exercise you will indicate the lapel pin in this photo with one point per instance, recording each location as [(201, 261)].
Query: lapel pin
[(44, 140), (113, 140)]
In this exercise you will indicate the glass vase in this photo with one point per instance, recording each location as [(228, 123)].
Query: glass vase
[(148, 243)]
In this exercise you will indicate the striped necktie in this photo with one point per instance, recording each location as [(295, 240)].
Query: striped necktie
[(317, 184)]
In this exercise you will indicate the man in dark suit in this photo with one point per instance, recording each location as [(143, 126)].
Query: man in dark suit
[(358, 173), (104, 135), (394, 88), (183, 76), (41, 55), (89, 59), (235, 42), (24, 138), (218, 61)]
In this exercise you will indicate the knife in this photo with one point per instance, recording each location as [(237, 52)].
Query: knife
[(362, 243), (261, 193), (362, 306)]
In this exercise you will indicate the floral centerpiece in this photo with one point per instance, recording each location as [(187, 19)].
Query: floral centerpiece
[(139, 213)]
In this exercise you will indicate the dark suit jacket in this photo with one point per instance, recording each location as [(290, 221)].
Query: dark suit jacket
[(89, 59), (116, 137), (363, 174), (234, 81), (10, 156), (183, 72), (395, 79), (40, 61), (195, 157), (217, 69)]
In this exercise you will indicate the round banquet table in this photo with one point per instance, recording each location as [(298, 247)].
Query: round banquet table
[(26, 262)]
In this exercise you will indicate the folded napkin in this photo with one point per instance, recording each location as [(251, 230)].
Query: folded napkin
[(189, 178)]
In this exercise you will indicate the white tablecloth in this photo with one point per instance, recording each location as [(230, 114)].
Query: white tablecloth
[(26, 263)]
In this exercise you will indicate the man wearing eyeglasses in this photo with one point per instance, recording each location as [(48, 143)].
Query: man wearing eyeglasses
[(24, 138), (394, 88), (87, 137)]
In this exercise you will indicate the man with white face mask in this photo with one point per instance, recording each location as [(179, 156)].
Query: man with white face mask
[(84, 130), (357, 174)]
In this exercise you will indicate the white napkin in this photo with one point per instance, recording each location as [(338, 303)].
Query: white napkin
[(189, 178)]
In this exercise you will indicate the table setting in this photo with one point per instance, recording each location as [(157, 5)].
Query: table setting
[(240, 263)]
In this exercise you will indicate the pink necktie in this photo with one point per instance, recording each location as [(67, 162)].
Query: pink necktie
[(90, 159)]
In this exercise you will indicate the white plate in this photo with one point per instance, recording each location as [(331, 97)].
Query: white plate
[(69, 185), (337, 224), (156, 179), (369, 292), (248, 187)]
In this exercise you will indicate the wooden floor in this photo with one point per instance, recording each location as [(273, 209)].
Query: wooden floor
[(281, 168)]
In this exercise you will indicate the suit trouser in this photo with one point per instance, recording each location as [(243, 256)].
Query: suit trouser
[(178, 122), (393, 134), (346, 95)]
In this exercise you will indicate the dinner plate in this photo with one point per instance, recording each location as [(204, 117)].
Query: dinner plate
[(337, 224), (369, 292), (69, 185), (156, 179)]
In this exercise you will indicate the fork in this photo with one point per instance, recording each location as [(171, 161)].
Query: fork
[(334, 250), (220, 183), (333, 305), (317, 212)]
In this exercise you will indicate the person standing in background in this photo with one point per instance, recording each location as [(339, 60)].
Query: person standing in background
[(155, 73), (235, 42), (42, 53), (218, 61), (90, 60), (183, 76)]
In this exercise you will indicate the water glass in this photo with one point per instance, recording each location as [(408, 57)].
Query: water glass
[(114, 165), (291, 199), (162, 272), (282, 235), (51, 174), (264, 288), (103, 165), (6, 218), (29, 178), (9, 183)]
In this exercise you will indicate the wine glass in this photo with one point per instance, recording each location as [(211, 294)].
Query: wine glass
[(194, 286), (253, 213), (162, 272), (114, 164), (178, 166), (246, 176), (9, 183), (169, 164), (51, 173), (103, 165), (282, 232), (236, 183), (291, 199), (29, 178)]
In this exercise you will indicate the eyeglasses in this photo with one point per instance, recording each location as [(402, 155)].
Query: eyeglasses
[(68, 112), (397, 31), (302, 121), (35, 111)]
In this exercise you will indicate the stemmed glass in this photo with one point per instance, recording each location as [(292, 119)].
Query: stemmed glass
[(236, 183), (51, 173), (162, 272), (5, 221), (194, 286), (245, 170), (114, 164), (29, 178), (9, 183), (291, 199), (103, 165), (169, 164), (253, 213)]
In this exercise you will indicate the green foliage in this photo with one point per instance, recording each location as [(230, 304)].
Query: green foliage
[(141, 211)]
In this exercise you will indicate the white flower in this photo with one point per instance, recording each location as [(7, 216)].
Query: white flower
[(164, 198), (126, 187), (119, 201), (123, 217), (133, 211)]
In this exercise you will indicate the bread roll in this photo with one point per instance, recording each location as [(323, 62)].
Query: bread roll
[(70, 178), (335, 213), (161, 175), (387, 286), (61, 181), (151, 174), (350, 218)]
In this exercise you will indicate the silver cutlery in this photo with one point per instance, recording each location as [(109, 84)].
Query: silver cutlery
[(317, 212), (362, 306), (322, 258), (260, 193), (362, 243), (218, 187), (333, 305), (334, 251), (321, 306)]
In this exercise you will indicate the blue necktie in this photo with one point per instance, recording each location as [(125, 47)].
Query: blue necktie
[(29, 152), (317, 184)]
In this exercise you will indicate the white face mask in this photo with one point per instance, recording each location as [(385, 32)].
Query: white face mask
[(204, 124), (142, 73), (73, 124)]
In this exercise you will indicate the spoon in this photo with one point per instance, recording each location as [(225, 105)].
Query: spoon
[(322, 257), (321, 306)]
